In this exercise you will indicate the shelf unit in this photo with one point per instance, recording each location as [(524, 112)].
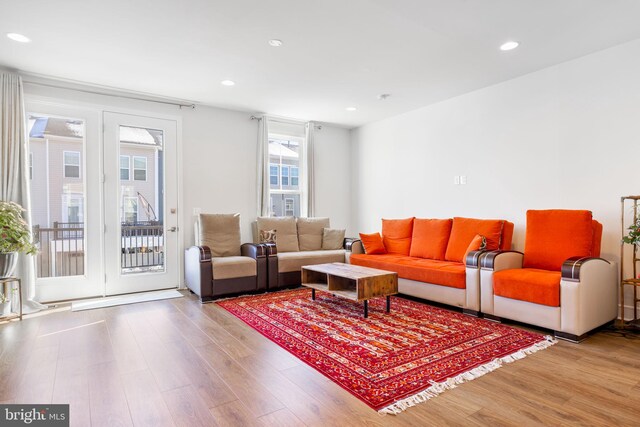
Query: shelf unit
[(633, 281)]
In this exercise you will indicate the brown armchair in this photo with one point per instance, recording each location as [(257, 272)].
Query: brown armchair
[(219, 265)]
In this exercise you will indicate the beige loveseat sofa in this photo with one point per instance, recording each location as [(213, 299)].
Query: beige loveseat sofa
[(300, 242)]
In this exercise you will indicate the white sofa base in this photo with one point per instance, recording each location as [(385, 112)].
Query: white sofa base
[(540, 315)]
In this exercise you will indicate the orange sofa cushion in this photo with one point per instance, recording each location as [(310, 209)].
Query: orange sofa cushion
[(465, 229), (396, 235), (507, 236), (430, 238), (528, 284), (373, 243), (554, 235), (452, 274)]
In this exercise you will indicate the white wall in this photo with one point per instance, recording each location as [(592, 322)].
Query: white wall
[(563, 137), (219, 152)]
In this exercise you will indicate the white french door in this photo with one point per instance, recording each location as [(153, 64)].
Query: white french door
[(66, 202), (140, 203)]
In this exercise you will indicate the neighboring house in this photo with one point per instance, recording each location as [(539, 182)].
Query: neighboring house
[(56, 161), (56, 170), (284, 177)]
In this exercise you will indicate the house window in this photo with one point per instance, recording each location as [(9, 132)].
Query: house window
[(71, 164), (72, 208), (285, 176), (295, 179), (125, 168), (30, 165), (289, 204), (274, 179), (139, 168), (130, 210)]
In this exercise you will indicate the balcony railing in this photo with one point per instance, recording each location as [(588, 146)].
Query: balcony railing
[(61, 248)]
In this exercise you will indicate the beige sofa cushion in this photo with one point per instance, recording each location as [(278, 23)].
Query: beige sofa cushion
[(310, 233), (221, 233), (230, 267), (332, 238), (293, 261), (286, 231)]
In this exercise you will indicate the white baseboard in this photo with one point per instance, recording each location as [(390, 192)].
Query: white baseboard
[(628, 312)]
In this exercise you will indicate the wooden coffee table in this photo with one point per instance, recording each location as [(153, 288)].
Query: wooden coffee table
[(351, 281)]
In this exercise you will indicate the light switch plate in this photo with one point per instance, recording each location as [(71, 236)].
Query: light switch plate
[(463, 179), (456, 180)]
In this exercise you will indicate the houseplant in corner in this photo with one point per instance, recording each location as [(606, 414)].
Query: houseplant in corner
[(15, 237)]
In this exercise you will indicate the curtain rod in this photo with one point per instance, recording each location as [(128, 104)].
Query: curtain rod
[(95, 92), (285, 121)]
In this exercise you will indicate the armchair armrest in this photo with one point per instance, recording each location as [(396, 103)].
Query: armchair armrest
[(253, 250), (257, 251), (271, 251), (197, 271), (572, 266), (353, 245), (588, 295), (501, 260), (473, 258)]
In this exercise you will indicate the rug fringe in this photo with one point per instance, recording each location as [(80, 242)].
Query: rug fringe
[(438, 388)]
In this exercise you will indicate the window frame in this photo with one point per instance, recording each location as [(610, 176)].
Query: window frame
[(146, 168), (124, 208), (65, 164), (128, 167), (288, 189)]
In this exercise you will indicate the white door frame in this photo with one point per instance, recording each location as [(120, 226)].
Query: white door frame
[(118, 282), (90, 284)]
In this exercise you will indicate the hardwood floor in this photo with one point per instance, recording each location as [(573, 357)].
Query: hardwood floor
[(177, 362)]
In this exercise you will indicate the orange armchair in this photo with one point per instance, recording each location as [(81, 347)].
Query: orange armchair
[(559, 283)]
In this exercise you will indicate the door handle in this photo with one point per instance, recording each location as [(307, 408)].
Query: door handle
[(173, 229)]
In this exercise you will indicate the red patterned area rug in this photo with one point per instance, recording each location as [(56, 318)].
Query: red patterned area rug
[(390, 361)]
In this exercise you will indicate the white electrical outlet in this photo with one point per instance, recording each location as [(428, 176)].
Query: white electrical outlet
[(463, 179), (456, 180), (197, 211)]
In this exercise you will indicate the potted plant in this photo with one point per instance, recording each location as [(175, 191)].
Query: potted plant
[(633, 237), (5, 305), (15, 237)]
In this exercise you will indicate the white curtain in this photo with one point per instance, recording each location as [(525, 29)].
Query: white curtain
[(309, 203), (263, 167), (14, 182)]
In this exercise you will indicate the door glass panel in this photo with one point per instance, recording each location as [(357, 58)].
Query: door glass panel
[(56, 163), (141, 200)]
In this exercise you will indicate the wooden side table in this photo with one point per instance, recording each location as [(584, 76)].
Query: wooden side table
[(6, 285)]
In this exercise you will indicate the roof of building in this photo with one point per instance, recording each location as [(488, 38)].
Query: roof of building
[(278, 150)]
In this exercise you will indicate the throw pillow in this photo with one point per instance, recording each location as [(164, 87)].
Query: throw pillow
[(332, 238), (477, 244), (396, 235), (287, 231), (310, 233), (268, 236), (465, 229), (373, 244)]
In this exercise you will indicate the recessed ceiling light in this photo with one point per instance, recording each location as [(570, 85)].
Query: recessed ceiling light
[(275, 42), (227, 83), (18, 37), (510, 45), (351, 108)]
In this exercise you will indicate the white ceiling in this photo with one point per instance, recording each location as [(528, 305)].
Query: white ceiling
[(336, 53)]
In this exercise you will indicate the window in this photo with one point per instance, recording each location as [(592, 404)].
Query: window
[(130, 210), (30, 165), (73, 208), (125, 168), (71, 164), (288, 207), (139, 168), (285, 193), (274, 179)]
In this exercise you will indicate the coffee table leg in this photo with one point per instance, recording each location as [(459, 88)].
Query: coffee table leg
[(366, 309), (388, 303), (313, 294)]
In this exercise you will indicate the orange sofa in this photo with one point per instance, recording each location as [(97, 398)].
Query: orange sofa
[(436, 259)]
